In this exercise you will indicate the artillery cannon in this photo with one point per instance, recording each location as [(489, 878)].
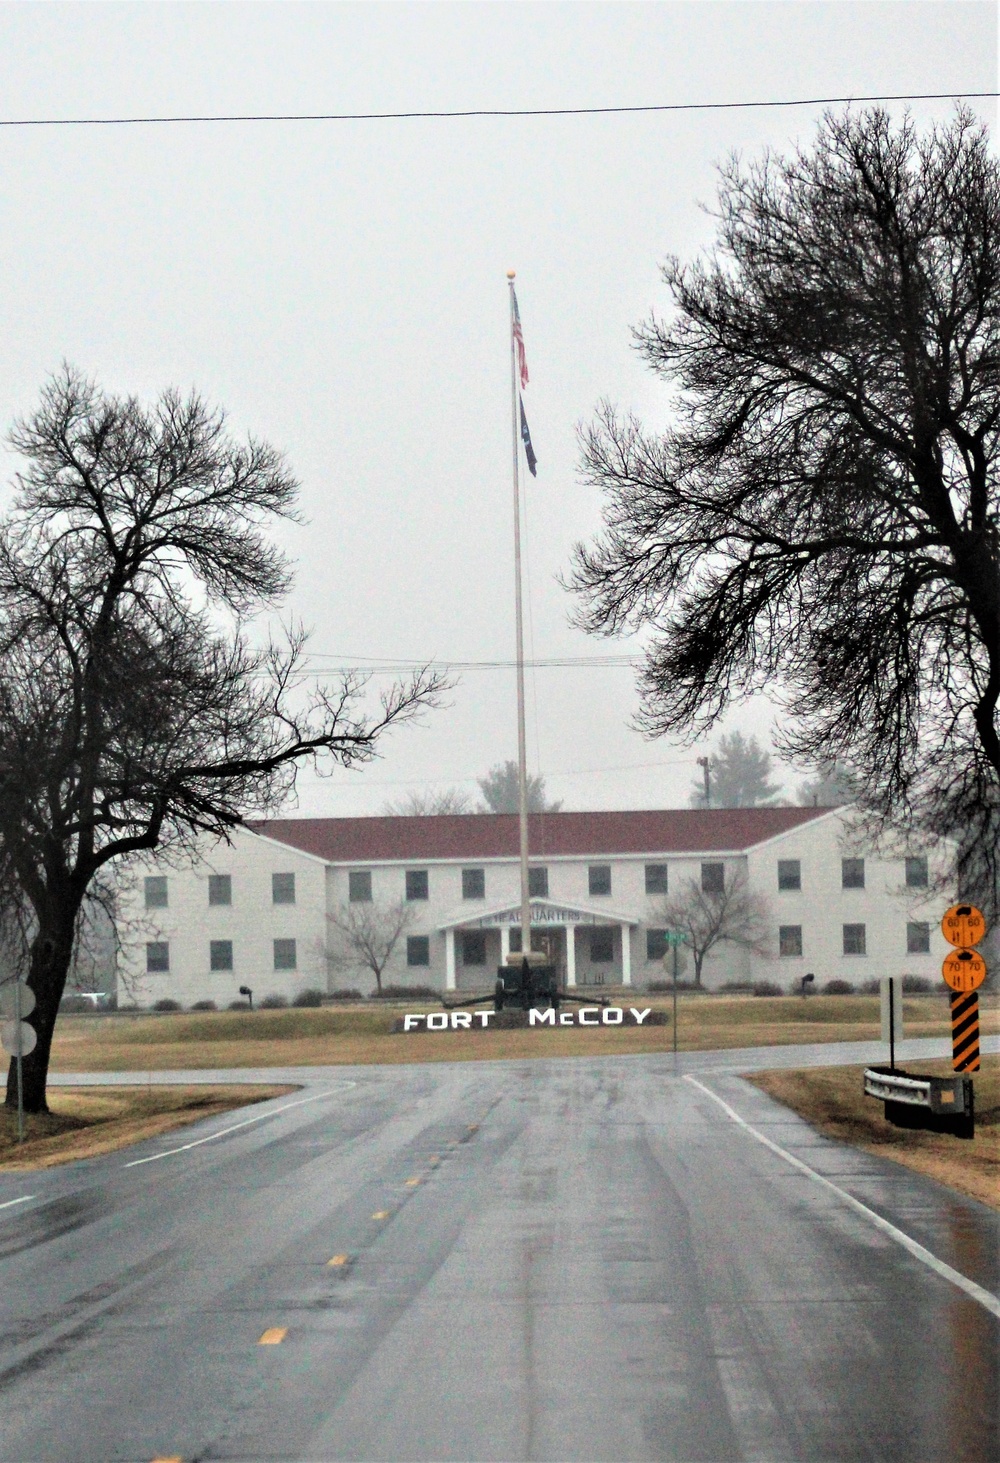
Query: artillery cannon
[(527, 980)]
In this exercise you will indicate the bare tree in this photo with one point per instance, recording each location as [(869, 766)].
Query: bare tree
[(739, 775), (824, 516), (430, 803), (135, 711), (366, 934), (705, 919), (500, 791)]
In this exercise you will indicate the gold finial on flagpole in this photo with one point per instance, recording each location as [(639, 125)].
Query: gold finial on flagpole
[(510, 274)]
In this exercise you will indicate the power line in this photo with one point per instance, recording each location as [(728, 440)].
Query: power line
[(319, 664), (501, 112)]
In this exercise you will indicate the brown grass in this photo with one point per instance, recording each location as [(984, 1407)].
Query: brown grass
[(86, 1121), (363, 1034), (832, 1099)]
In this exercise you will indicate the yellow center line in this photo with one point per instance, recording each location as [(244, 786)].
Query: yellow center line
[(412, 1183), (338, 1260), (381, 1214), (472, 1127), (273, 1336), (174, 1458)]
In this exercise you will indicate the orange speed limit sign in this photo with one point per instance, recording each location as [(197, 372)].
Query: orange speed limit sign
[(963, 925), (964, 970)]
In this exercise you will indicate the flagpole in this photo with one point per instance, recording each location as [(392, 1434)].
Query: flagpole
[(522, 759)]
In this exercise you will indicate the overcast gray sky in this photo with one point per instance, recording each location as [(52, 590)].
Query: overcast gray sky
[(340, 289)]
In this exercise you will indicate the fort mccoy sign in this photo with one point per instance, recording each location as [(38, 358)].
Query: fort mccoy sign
[(547, 1017)]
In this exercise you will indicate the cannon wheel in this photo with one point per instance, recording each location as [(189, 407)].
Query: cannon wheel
[(498, 995)]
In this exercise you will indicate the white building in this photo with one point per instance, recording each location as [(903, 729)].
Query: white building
[(256, 912)]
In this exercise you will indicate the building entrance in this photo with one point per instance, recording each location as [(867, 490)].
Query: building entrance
[(549, 942)]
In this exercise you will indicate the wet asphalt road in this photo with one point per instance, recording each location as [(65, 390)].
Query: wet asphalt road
[(575, 1259)]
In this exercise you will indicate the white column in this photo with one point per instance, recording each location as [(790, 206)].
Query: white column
[(504, 943), (449, 960), (570, 956), (626, 955)]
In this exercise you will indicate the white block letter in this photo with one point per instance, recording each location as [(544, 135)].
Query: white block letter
[(410, 1021), (640, 1016), (461, 1018), (437, 1021), (611, 1016), (585, 1014), (541, 1018), (567, 1018)]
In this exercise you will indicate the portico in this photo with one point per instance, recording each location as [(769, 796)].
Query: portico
[(547, 918)]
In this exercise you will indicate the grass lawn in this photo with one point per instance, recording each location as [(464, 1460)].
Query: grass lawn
[(833, 1100), (363, 1034), (86, 1121)]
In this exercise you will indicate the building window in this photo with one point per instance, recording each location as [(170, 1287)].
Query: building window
[(473, 883), (538, 883), (602, 946), (282, 888), (474, 948), (854, 940), (417, 886), (599, 879), (359, 886), (852, 873), (285, 957), (157, 957), (789, 939), (789, 873), (656, 944), (916, 873), (656, 878), (418, 950), (220, 954), (713, 878), (156, 891), (918, 938), (220, 889)]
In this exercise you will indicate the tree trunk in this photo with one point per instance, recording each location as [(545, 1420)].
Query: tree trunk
[(51, 953), (699, 960)]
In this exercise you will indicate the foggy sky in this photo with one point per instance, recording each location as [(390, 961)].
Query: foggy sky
[(340, 289)]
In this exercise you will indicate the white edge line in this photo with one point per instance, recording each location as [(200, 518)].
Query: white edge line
[(234, 1127), (24, 1199), (976, 1292)]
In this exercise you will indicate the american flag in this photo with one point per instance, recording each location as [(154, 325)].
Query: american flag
[(522, 360)]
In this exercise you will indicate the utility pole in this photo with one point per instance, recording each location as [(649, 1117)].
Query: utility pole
[(703, 762)]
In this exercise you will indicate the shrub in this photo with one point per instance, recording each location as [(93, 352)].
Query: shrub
[(736, 986), (656, 987), (838, 988), (916, 985), (767, 988), (238, 1006), (345, 993), (309, 997), (204, 1006), (406, 993), (870, 987), (166, 1004), (273, 1002)]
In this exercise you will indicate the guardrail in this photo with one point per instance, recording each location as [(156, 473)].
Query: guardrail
[(939, 1104)]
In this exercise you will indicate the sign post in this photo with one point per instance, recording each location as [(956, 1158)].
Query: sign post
[(891, 993), (964, 969), (674, 941), (19, 1038)]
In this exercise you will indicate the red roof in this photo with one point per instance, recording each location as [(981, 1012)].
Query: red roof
[(495, 835)]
